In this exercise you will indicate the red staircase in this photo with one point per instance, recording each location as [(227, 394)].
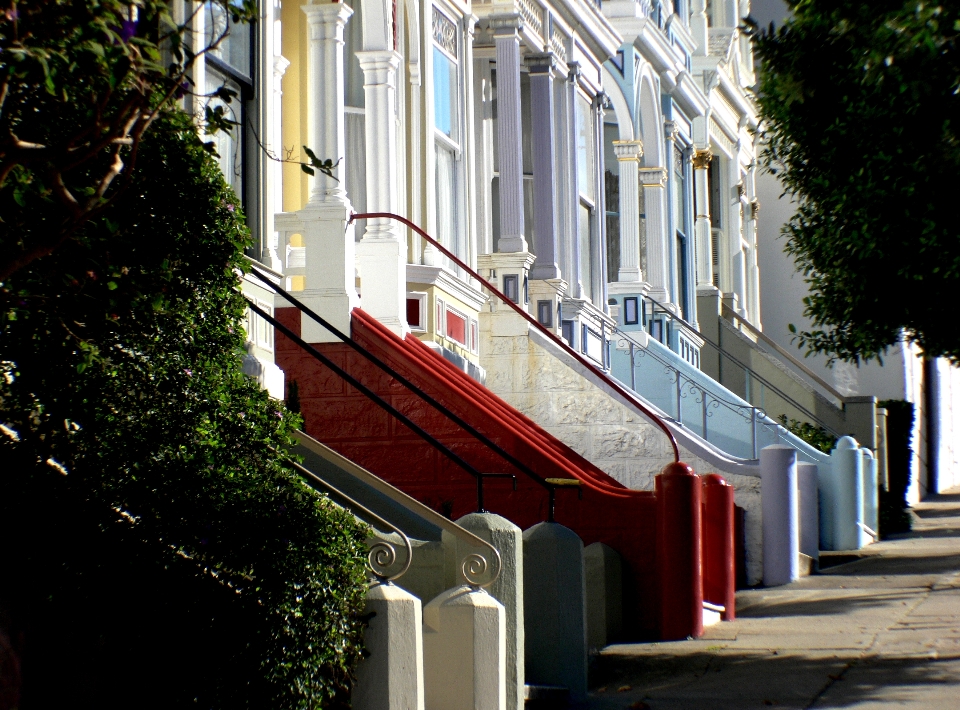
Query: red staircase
[(343, 418)]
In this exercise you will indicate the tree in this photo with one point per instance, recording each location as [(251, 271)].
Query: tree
[(81, 81), (860, 104), (155, 543)]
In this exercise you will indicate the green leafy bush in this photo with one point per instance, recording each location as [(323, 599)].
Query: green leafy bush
[(156, 548), (816, 436)]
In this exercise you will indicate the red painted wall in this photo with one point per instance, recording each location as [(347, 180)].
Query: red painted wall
[(344, 419)]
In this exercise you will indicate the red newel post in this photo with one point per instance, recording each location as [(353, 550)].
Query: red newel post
[(719, 569), (679, 552)]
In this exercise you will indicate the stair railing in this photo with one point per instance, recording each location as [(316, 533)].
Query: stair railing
[(383, 404), (663, 310), (550, 485), (472, 566), (382, 555), (609, 381)]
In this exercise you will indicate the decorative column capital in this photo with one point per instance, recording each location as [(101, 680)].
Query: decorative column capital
[(327, 20), (653, 177), (503, 26), (574, 74), (379, 66), (754, 208), (628, 151), (545, 63), (701, 158), (670, 130)]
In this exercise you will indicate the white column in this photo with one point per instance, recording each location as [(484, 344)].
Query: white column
[(628, 157), (325, 77), (701, 229), (383, 256), (544, 168), (654, 180), (509, 132), (329, 248), (700, 27)]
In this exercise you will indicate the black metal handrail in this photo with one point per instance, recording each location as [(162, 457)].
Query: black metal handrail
[(347, 340), (383, 404)]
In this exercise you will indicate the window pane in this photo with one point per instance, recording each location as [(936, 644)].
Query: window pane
[(447, 200), (234, 49), (456, 327), (679, 192), (227, 143), (355, 164), (586, 158), (445, 94), (586, 252)]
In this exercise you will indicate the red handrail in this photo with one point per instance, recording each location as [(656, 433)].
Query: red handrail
[(533, 321)]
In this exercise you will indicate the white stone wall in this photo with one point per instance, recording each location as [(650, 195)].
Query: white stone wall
[(548, 386)]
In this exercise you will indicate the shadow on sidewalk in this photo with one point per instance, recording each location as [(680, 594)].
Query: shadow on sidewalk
[(721, 679)]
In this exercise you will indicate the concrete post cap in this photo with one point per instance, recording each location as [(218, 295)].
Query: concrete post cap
[(867, 453), (714, 479), (847, 442)]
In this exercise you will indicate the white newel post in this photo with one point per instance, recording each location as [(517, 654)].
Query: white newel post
[(329, 250), (542, 70), (464, 645), (382, 254), (702, 233), (654, 180), (509, 134), (628, 157), (391, 677)]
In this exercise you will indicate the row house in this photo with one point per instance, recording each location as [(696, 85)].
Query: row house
[(580, 156)]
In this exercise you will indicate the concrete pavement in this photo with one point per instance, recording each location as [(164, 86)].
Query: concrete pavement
[(882, 631)]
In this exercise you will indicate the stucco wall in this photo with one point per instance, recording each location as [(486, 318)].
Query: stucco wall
[(538, 379)]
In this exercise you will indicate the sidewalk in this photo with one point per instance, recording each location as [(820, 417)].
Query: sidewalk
[(880, 632)]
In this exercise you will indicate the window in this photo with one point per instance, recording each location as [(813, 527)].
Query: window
[(511, 287), (354, 100), (446, 124), (229, 65), (474, 336), (456, 326), (587, 189), (568, 331), (681, 200), (545, 313), (417, 311), (631, 315)]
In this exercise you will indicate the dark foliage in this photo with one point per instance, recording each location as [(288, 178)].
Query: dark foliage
[(156, 549), (860, 103)]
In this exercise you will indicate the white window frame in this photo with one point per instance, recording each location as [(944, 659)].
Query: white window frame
[(421, 297)]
